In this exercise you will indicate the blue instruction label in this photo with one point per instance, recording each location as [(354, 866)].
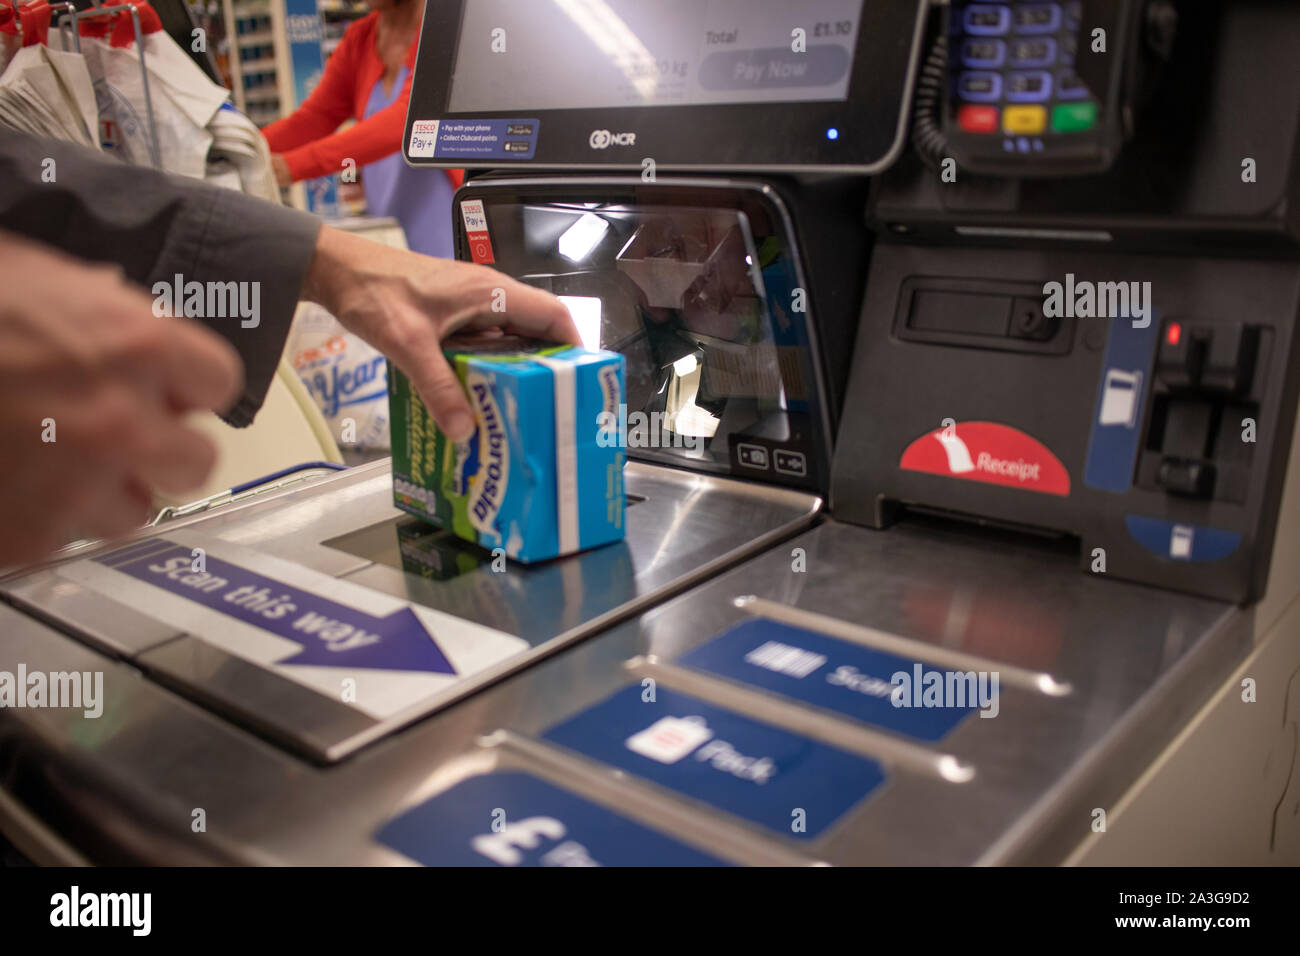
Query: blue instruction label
[(1121, 397), (785, 782), (473, 139), (827, 672), (515, 819), (1181, 542), (328, 633)]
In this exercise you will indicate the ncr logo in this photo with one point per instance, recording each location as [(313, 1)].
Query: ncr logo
[(603, 139)]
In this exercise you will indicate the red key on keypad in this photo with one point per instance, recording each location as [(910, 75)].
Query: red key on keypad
[(978, 119)]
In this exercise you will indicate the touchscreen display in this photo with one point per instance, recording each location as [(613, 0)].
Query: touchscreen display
[(528, 55), (698, 299)]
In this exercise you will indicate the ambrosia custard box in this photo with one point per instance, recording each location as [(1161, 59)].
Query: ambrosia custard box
[(542, 475)]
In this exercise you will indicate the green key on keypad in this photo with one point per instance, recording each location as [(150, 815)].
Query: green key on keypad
[(1073, 117)]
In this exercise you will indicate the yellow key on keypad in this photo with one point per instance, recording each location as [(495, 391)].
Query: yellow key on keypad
[(1024, 120)]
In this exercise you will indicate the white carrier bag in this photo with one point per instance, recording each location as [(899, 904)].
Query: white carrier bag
[(182, 98)]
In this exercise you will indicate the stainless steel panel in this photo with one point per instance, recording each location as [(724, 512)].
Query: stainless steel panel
[(682, 527), (293, 525), (1138, 662), (99, 621), (812, 722), (294, 715), (108, 785), (658, 810)]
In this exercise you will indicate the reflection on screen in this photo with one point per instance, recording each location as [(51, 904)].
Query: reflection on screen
[(694, 299), (586, 311), (588, 54)]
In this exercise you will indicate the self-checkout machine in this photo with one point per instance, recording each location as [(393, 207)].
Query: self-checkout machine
[(1153, 436), (1060, 563), (751, 719), (274, 666)]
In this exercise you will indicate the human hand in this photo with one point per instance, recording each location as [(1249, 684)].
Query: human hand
[(93, 387), (406, 305), (280, 168)]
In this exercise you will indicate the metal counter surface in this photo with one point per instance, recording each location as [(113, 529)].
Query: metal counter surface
[(1136, 662), (680, 528)]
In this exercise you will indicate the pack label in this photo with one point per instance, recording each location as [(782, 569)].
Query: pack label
[(792, 785)]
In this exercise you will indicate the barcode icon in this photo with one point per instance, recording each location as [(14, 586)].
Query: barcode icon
[(785, 659)]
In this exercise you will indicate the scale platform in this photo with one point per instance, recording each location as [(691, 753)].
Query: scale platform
[(341, 541)]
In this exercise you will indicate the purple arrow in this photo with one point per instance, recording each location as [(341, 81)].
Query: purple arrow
[(330, 634), (400, 643)]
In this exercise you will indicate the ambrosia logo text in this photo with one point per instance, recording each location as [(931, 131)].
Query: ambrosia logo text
[(488, 487)]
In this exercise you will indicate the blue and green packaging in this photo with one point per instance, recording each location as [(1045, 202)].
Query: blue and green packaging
[(542, 475)]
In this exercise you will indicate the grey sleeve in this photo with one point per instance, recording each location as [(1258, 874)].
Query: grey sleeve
[(157, 227)]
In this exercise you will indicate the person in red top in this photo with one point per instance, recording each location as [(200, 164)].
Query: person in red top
[(368, 78)]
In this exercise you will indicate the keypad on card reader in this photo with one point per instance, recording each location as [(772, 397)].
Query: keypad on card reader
[(1013, 70)]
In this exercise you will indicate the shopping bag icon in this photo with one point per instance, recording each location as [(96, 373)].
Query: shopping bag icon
[(669, 739)]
